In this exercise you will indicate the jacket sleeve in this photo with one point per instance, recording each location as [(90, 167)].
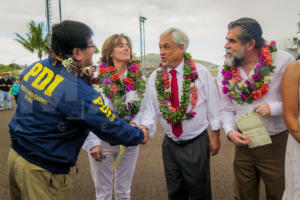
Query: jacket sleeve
[(86, 108)]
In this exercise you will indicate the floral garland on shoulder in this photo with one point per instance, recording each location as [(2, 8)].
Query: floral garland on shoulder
[(71, 66), (171, 114), (116, 88), (257, 85)]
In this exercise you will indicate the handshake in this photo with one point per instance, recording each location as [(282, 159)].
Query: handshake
[(145, 131)]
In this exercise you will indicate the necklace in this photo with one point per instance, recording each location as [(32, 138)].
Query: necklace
[(116, 89), (256, 86), (171, 114)]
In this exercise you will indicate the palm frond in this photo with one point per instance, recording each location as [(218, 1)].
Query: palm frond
[(34, 40)]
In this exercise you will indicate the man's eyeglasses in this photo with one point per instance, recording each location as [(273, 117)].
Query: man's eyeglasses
[(91, 46)]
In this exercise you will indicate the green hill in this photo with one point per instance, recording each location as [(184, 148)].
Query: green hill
[(152, 61)]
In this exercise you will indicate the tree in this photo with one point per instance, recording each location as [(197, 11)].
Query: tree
[(35, 41)]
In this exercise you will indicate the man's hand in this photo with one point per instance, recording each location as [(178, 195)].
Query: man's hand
[(146, 133), (214, 143), (132, 124), (238, 138), (263, 109), (96, 152)]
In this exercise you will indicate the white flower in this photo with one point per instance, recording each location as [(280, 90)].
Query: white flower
[(67, 63), (131, 96), (267, 79), (98, 88), (242, 84)]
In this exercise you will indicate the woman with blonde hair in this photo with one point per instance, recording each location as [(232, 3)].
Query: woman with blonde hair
[(122, 86), (290, 88)]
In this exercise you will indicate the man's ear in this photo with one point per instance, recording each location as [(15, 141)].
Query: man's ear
[(251, 44), (181, 46), (77, 54)]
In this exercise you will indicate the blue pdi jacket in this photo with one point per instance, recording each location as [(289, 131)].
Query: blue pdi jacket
[(55, 113)]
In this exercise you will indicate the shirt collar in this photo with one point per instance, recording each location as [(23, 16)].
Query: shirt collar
[(179, 68)]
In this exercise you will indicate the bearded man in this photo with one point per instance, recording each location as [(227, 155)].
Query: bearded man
[(245, 82)]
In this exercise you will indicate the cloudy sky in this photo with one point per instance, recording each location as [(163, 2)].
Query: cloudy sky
[(204, 21)]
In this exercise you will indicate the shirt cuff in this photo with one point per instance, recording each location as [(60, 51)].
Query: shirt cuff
[(151, 127), (90, 142), (227, 129), (215, 123), (136, 121), (276, 108)]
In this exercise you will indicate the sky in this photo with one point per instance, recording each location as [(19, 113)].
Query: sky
[(204, 21)]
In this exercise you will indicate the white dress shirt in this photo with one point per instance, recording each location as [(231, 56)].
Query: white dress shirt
[(207, 107), (274, 123)]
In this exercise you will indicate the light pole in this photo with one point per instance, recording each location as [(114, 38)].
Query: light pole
[(142, 40), (48, 15), (59, 4)]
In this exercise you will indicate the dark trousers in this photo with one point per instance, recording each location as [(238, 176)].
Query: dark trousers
[(187, 168), (16, 98), (266, 163)]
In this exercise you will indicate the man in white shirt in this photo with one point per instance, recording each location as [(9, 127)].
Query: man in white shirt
[(93, 69), (184, 98), (247, 87)]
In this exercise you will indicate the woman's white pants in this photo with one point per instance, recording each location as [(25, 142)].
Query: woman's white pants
[(104, 175)]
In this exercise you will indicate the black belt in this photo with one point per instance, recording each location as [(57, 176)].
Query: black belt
[(184, 142)]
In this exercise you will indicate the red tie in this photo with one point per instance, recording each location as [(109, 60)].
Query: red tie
[(176, 129)]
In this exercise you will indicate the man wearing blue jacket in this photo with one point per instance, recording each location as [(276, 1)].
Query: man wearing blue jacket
[(57, 108)]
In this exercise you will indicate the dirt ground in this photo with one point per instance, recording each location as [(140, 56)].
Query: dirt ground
[(148, 182)]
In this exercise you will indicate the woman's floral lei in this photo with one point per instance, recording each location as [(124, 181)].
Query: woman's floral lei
[(257, 85), (171, 114), (115, 89)]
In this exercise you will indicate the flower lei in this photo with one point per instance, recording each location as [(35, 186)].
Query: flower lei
[(257, 85), (67, 63), (171, 114), (115, 89), (73, 67)]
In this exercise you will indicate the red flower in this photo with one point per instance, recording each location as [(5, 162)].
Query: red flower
[(171, 108), (106, 69), (166, 79), (113, 88), (264, 89), (267, 54), (256, 94), (236, 77), (101, 70), (268, 61), (115, 77), (129, 81), (110, 69), (194, 96)]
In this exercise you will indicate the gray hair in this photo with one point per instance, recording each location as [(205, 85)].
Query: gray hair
[(251, 29), (178, 36)]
